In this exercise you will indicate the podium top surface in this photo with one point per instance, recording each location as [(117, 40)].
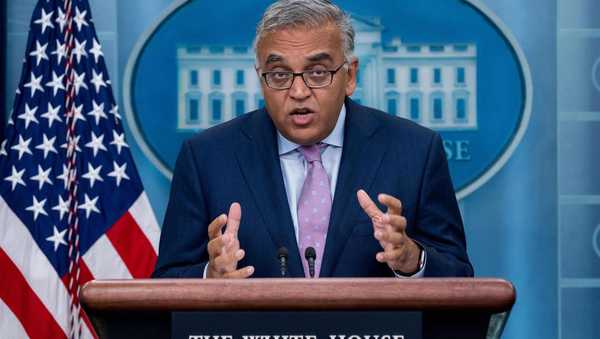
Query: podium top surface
[(493, 295)]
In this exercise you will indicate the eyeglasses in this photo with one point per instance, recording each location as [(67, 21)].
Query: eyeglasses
[(314, 78)]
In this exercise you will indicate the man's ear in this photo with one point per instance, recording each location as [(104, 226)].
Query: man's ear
[(352, 73)]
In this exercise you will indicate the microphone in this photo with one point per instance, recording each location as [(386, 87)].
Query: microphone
[(282, 255), (310, 256)]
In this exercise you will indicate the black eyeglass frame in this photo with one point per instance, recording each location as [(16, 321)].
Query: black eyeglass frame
[(301, 75)]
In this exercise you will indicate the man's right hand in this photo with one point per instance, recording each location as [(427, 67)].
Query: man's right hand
[(224, 250)]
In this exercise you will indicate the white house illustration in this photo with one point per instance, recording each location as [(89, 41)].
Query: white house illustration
[(432, 84)]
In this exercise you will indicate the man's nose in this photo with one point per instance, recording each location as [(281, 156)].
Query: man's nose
[(299, 90)]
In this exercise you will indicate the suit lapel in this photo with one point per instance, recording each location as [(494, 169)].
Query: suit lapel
[(362, 154), (258, 159)]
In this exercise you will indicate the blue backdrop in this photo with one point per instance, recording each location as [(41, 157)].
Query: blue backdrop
[(535, 222)]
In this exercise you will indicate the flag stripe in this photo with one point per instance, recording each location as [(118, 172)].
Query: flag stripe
[(141, 211), (88, 330), (104, 261), (133, 246), (32, 263), (85, 275), (10, 325), (24, 303)]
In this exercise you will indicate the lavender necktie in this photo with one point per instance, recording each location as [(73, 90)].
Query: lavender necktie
[(314, 206)]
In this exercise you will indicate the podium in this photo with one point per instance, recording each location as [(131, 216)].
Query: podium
[(158, 308)]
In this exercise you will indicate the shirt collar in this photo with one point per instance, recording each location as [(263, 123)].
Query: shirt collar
[(335, 138)]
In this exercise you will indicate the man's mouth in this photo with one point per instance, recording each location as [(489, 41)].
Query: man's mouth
[(301, 111), (302, 116)]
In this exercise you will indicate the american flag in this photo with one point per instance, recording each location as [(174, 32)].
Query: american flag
[(72, 205)]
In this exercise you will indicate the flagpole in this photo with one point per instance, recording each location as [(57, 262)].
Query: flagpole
[(73, 220), (3, 18)]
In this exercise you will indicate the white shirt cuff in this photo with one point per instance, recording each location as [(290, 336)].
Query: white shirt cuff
[(205, 270)]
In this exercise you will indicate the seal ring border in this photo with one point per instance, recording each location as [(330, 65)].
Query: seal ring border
[(596, 240), (130, 69), (596, 74), (527, 106), (497, 165)]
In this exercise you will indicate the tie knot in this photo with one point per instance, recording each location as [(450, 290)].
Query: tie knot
[(312, 153)]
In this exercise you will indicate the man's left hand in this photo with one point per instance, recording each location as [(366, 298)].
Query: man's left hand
[(400, 252)]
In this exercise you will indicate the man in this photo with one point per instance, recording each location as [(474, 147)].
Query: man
[(300, 173)]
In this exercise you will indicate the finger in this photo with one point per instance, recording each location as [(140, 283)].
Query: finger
[(395, 221), (215, 247), (393, 238), (227, 261), (215, 227), (233, 245), (219, 245), (233, 219), (391, 232), (242, 273), (393, 204), (381, 235), (387, 246), (393, 255), (382, 243), (368, 205)]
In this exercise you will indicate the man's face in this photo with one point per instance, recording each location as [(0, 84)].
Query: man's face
[(303, 115)]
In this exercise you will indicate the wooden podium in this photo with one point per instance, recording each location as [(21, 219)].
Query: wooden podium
[(450, 308)]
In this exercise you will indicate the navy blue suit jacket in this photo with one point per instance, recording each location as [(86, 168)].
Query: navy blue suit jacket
[(238, 161)]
